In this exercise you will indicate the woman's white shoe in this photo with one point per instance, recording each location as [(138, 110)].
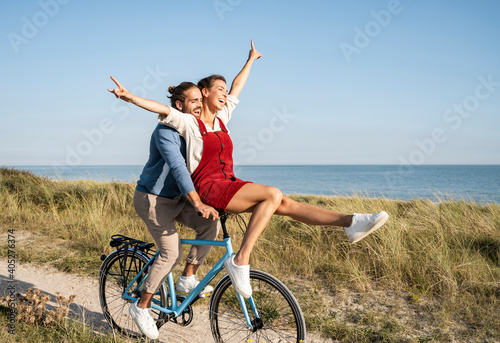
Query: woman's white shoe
[(364, 224), (240, 277)]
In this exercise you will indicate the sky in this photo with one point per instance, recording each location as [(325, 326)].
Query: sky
[(340, 82)]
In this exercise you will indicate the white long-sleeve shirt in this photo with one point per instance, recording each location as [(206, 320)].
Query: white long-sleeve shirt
[(187, 126)]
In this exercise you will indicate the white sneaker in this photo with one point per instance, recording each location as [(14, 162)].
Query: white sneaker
[(365, 224), (187, 283), (240, 277), (144, 321)]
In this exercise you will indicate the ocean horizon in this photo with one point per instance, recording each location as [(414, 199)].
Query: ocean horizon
[(479, 183)]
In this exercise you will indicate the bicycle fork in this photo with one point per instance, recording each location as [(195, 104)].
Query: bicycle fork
[(255, 324)]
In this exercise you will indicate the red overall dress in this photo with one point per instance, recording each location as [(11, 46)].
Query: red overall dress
[(214, 178)]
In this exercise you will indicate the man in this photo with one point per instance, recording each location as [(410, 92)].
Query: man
[(164, 194)]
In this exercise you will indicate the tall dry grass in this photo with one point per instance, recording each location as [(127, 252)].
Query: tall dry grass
[(440, 248), (445, 250)]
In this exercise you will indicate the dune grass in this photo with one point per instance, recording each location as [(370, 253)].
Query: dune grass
[(67, 331), (432, 273)]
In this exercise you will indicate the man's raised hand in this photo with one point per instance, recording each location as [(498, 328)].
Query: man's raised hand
[(120, 92)]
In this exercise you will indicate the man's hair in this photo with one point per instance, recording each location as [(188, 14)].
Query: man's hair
[(179, 93)]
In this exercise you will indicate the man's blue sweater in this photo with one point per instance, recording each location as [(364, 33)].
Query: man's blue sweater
[(165, 174)]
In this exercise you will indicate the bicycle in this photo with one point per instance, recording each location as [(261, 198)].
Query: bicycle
[(271, 315)]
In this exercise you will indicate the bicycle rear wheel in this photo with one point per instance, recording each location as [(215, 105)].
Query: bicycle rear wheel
[(114, 277), (281, 318)]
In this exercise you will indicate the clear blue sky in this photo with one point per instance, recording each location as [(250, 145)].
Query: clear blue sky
[(340, 82)]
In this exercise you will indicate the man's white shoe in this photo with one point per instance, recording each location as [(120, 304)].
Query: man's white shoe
[(240, 277), (144, 321), (187, 283), (365, 224)]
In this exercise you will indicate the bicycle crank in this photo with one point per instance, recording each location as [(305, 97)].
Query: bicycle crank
[(185, 317)]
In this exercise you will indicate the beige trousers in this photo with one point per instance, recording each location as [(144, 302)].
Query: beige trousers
[(160, 215)]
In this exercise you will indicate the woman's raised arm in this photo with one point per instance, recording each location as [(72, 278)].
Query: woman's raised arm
[(150, 105), (240, 79)]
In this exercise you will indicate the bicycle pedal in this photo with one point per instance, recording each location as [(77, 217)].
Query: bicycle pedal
[(204, 295)]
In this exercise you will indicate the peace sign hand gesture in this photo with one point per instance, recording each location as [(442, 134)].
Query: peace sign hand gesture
[(121, 92)]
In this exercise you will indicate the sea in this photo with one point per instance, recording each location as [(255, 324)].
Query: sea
[(478, 183)]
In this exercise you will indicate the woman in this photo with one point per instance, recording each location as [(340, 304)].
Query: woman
[(209, 160)]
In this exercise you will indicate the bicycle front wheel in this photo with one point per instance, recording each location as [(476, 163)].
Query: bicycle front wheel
[(281, 318), (115, 276)]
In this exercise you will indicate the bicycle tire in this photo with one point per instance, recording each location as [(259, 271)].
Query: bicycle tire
[(282, 318), (114, 307)]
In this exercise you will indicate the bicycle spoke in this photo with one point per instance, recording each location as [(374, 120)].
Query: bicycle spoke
[(240, 323), (119, 289)]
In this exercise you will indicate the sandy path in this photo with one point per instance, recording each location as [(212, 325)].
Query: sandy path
[(87, 307)]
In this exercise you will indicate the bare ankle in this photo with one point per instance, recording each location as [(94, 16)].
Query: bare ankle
[(142, 305), (348, 221), (190, 269), (145, 300), (240, 260)]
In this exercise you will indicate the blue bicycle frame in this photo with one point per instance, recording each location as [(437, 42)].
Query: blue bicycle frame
[(177, 310)]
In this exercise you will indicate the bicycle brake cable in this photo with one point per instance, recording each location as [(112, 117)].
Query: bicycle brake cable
[(238, 218)]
